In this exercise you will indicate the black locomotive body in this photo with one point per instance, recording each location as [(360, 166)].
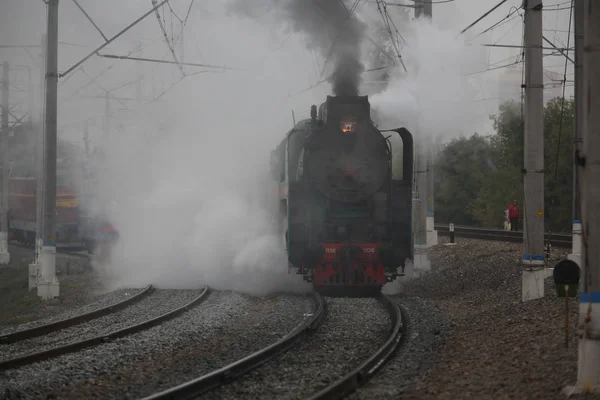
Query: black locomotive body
[(345, 219)]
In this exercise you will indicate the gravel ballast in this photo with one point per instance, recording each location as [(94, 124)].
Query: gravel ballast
[(79, 285), (103, 301), (498, 347), (224, 328), (153, 305), (427, 327), (351, 331)]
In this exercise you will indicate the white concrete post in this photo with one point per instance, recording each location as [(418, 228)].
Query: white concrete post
[(48, 286), (533, 204)]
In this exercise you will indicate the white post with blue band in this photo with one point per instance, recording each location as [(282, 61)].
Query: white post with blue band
[(533, 202)]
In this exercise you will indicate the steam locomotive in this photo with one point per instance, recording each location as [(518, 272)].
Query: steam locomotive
[(346, 220)]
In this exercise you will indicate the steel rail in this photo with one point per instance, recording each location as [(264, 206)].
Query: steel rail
[(76, 346), (365, 371), (555, 239), (17, 336), (195, 387)]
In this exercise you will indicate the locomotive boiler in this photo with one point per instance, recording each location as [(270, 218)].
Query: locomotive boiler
[(346, 219)]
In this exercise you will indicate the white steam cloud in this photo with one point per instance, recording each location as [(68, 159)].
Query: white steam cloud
[(196, 203), (435, 97)]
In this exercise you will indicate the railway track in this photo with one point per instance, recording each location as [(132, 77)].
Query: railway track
[(563, 240), (45, 329), (368, 368), (337, 389), (204, 383), (50, 349)]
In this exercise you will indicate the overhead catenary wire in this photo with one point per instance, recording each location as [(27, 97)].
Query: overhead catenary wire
[(112, 39), (166, 36), (387, 23), (483, 16), (90, 19)]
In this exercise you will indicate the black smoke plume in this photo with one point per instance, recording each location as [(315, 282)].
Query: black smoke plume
[(329, 29)]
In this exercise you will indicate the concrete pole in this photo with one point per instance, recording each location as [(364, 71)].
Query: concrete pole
[(533, 203), (422, 262), (576, 250), (31, 105), (588, 367), (34, 267), (4, 254), (432, 234), (48, 286)]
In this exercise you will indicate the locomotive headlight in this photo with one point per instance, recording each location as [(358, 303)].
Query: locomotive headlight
[(347, 124)]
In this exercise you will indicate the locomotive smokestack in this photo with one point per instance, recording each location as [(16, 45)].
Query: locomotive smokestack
[(313, 113)]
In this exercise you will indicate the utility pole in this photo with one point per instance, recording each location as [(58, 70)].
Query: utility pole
[(30, 99), (426, 9), (432, 234), (533, 203), (34, 267), (4, 254), (48, 285), (588, 368), (579, 100), (422, 262)]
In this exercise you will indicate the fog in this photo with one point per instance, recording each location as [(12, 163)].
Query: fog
[(188, 165)]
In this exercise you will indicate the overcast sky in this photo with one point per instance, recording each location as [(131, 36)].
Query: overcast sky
[(215, 37)]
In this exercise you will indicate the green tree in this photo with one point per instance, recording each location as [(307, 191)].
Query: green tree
[(558, 161), (482, 191), (461, 168)]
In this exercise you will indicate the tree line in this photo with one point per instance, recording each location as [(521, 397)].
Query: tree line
[(478, 177)]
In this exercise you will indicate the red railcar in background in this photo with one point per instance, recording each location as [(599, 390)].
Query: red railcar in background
[(22, 208), (77, 227)]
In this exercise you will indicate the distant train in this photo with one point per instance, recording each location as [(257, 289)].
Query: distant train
[(345, 218), (76, 227)]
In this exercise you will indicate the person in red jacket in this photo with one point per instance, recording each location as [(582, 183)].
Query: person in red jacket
[(514, 215)]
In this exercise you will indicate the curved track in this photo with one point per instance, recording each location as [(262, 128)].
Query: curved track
[(68, 322), (82, 344), (226, 374), (361, 374), (337, 389)]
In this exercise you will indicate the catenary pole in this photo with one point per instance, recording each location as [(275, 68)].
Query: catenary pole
[(533, 203), (40, 157), (34, 267), (4, 254), (576, 249), (426, 10), (421, 262), (588, 367), (48, 286)]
